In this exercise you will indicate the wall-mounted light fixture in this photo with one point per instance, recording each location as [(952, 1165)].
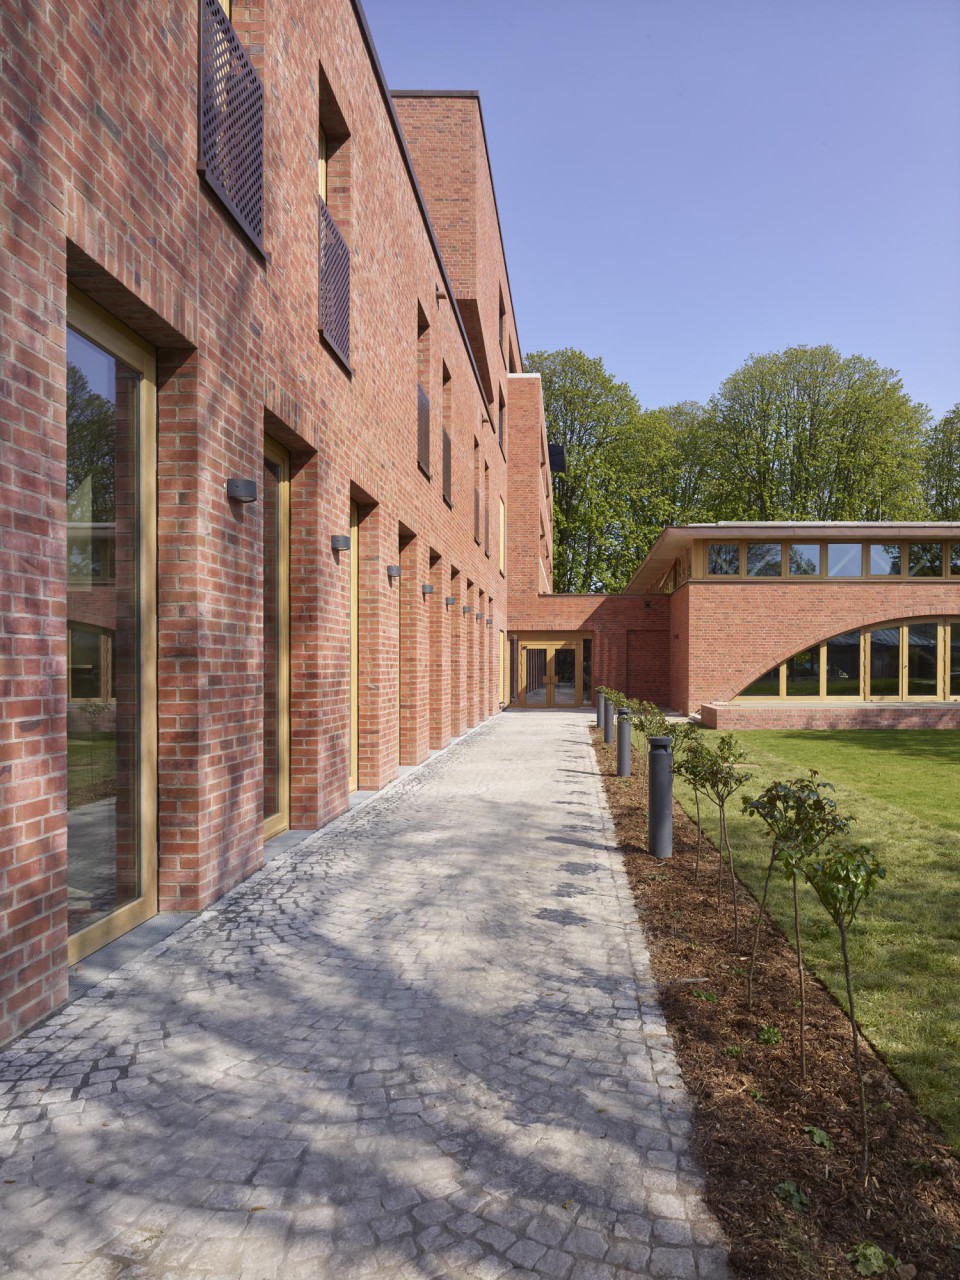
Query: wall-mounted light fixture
[(489, 622), (450, 600), (466, 610), (427, 589), (393, 571), (479, 617), (242, 490), (340, 542)]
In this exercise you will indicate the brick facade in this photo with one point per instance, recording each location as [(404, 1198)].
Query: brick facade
[(100, 189)]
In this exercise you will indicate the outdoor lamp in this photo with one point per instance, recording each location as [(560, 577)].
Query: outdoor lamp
[(393, 571), (242, 490), (466, 610), (427, 589), (450, 600), (340, 542)]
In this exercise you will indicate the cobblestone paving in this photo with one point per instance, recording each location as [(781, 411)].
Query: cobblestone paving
[(424, 1043)]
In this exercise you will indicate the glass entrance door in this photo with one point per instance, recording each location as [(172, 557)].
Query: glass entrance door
[(551, 673), (111, 629), (276, 660), (565, 677)]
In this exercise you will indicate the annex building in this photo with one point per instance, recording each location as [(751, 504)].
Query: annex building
[(275, 491)]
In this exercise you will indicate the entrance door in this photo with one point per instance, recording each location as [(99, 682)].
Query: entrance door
[(111, 629), (276, 644), (552, 674)]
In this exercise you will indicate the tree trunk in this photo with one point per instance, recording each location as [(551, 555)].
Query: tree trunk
[(720, 864), (756, 932), (696, 869), (803, 993), (733, 884), (864, 1149)]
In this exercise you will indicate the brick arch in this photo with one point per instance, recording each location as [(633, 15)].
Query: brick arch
[(737, 632)]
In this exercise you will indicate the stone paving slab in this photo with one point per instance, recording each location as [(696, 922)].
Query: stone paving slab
[(423, 1043)]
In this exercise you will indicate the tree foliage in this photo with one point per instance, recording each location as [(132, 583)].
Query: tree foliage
[(801, 434), (608, 505), (942, 467)]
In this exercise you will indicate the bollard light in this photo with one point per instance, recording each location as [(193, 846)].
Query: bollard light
[(660, 793), (608, 724), (624, 730), (601, 699)]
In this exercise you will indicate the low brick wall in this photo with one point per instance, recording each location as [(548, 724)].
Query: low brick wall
[(859, 715)]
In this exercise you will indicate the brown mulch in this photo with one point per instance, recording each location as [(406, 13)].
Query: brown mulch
[(751, 1106)]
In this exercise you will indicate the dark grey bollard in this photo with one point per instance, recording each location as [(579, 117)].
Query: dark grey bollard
[(601, 699), (624, 730), (608, 714), (660, 813)]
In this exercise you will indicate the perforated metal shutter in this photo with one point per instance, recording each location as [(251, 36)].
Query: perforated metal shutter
[(334, 286), (231, 121), (423, 430)]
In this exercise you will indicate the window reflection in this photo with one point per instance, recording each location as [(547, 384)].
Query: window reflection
[(885, 663), (885, 559), (763, 559), (843, 665), (765, 686), (844, 559), (926, 560), (103, 643), (803, 674), (922, 660), (804, 560), (723, 558)]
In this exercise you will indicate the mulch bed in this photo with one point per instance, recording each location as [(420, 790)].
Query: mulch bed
[(751, 1106)]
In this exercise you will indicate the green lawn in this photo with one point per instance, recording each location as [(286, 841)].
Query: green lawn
[(904, 788)]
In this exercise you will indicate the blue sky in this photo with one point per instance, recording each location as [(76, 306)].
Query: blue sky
[(684, 182)]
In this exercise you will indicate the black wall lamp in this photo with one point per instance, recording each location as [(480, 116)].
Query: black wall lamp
[(242, 490), (489, 622), (393, 571), (466, 610), (340, 542), (479, 617), (427, 589), (450, 600)]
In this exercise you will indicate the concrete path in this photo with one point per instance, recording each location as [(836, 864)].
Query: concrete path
[(424, 1043)]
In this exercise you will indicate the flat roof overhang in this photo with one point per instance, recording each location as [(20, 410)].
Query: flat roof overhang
[(676, 538)]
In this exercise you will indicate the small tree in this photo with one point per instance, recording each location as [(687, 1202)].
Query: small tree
[(801, 817), (843, 876), (691, 765), (723, 775)]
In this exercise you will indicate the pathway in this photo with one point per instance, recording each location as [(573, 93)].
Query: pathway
[(423, 1043)]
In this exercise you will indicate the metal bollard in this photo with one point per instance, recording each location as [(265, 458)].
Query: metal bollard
[(608, 714), (601, 699), (624, 731), (660, 812)]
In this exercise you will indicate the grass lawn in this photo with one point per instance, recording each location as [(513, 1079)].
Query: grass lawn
[(904, 788)]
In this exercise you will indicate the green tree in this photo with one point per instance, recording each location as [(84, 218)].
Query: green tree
[(808, 434), (942, 466), (610, 504), (91, 443)]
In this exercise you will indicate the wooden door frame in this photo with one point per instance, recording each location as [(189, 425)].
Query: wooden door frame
[(551, 642), (280, 821)]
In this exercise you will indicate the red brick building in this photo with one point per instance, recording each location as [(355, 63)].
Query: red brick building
[(258, 347), (275, 492)]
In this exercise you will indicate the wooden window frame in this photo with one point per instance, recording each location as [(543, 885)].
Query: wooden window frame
[(101, 328), (280, 821)]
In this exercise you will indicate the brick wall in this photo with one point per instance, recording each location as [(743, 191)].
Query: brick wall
[(100, 187), (733, 632)]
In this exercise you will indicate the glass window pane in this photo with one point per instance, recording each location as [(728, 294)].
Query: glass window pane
[(587, 670), (804, 560), (844, 559), (955, 557), (272, 482), (803, 674), (565, 677), (723, 558), (955, 660), (536, 694), (885, 663), (922, 660), (763, 559), (885, 559), (766, 686), (843, 665), (926, 560), (103, 574)]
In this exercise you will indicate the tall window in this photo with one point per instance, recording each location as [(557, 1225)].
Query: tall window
[(503, 537), (111, 628)]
